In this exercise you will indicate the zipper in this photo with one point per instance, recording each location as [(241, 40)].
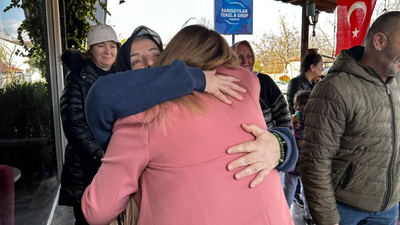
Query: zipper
[(389, 177)]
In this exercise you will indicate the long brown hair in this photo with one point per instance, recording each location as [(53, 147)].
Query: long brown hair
[(198, 47)]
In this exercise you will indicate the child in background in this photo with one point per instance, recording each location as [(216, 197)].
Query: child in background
[(300, 100)]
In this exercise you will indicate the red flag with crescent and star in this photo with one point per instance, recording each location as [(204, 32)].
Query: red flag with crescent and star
[(353, 18)]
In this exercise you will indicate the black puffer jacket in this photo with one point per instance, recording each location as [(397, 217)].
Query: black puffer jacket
[(83, 153), (296, 84)]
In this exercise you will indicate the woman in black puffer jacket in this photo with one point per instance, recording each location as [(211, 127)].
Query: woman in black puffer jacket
[(310, 71), (83, 154)]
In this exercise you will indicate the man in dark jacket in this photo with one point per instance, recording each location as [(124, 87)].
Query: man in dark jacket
[(350, 158)]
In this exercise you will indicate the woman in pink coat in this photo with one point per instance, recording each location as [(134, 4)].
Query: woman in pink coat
[(173, 158)]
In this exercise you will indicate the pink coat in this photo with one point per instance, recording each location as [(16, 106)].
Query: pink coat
[(180, 177)]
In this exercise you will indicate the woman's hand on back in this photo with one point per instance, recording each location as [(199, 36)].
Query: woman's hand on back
[(222, 85), (262, 156)]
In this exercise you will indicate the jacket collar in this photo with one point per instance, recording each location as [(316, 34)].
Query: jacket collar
[(304, 78), (91, 71), (347, 61), (72, 59)]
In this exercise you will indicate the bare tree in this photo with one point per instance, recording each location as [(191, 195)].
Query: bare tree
[(119, 35), (323, 40), (276, 50), (8, 52), (205, 22), (264, 58), (386, 6)]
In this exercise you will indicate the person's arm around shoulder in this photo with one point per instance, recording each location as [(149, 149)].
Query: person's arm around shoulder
[(130, 92), (118, 177), (325, 121)]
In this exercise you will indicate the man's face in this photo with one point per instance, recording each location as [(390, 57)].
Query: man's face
[(391, 56)]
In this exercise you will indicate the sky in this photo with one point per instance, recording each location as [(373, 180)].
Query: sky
[(12, 18), (166, 17)]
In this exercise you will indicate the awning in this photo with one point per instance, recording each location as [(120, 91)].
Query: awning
[(321, 5)]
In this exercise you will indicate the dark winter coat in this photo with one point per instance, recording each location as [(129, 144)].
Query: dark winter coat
[(83, 153), (296, 84)]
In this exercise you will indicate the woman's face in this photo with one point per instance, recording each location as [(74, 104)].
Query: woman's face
[(245, 57), (317, 70), (104, 54), (144, 53)]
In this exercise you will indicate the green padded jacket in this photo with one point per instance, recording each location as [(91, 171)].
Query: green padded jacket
[(350, 152)]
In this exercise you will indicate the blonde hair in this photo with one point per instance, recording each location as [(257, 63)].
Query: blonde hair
[(198, 47)]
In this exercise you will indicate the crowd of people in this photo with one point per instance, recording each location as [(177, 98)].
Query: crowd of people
[(179, 136)]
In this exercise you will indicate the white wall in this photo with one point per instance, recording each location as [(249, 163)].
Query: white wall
[(17, 61)]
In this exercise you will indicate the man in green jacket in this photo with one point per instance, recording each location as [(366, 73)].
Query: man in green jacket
[(350, 160)]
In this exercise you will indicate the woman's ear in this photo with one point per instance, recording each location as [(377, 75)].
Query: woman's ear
[(312, 68)]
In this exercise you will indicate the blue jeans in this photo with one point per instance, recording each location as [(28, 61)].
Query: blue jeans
[(350, 215), (289, 184)]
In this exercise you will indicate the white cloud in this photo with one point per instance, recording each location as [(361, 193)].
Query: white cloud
[(12, 25), (10, 28)]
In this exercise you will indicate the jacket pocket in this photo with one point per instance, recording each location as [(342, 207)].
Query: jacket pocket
[(346, 177)]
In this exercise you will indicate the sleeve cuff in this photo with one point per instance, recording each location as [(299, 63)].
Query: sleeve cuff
[(199, 79), (292, 153)]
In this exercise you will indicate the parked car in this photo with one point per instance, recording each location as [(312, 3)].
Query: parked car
[(282, 85)]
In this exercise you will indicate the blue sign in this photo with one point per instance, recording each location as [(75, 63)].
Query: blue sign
[(234, 16)]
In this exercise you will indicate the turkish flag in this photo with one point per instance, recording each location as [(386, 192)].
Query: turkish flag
[(353, 18)]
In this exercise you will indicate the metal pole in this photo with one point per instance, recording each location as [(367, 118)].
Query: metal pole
[(233, 39), (184, 25)]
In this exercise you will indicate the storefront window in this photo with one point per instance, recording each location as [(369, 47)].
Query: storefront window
[(27, 137)]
